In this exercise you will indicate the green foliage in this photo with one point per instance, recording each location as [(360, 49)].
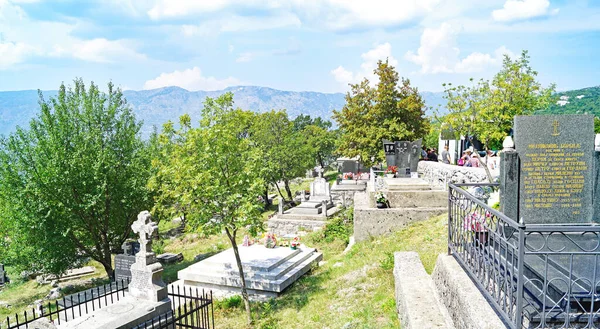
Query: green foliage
[(387, 263), (284, 153), (72, 184), (486, 109), (589, 103), (210, 173), (229, 303), (340, 227), (433, 136), (392, 110)]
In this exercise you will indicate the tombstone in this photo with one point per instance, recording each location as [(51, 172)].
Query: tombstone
[(555, 170), (280, 205), (548, 179), (320, 187), (146, 273), (3, 277), (403, 154), (124, 261), (319, 170)]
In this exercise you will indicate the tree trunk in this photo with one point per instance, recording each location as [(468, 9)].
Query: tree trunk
[(266, 196), (487, 170), (321, 161), (279, 190), (289, 192), (109, 269), (238, 260)]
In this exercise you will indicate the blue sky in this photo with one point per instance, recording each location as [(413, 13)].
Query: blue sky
[(300, 45)]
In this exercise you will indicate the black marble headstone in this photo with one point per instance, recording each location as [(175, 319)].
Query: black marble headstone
[(123, 267), (3, 277), (130, 248), (403, 154), (556, 156)]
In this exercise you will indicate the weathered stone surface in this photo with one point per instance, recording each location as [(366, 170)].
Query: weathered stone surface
[(415, 298), (556, 156), (509, 184), (42, 323), (371, 222), (443, 173), (403, 154), (413, 199), (123, 267), (292, 226), (466, 305)]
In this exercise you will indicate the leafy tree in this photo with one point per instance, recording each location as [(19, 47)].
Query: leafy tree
[(213, 172), (318, 135), (596, 125), (486, 109), (285, 154), (392, 110), (73, 183)]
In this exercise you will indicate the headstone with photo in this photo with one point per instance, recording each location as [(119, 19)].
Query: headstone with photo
[(403, 154)]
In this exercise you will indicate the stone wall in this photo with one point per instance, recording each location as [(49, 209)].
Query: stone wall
[(463, 300), (282, 227), (372, 222), (436, 171)]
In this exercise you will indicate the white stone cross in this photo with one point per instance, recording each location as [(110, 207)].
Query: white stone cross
[(320, 170), (145, 227)]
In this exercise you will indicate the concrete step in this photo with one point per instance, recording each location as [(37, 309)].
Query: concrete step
[(309, 204), (406, 184), (304, 211)]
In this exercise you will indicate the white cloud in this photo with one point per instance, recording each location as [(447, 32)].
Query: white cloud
[(369, 64), (245, 57), (333, 14), (98, 50), (439, 53), (523, 9), (14, 53), (190, 79), (241, 24)]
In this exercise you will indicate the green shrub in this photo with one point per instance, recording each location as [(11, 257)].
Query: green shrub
[(229, 303)]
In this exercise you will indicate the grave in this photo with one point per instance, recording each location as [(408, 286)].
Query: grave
[(268, 271), (147, 296), (403, 154), (3, 277), (124, 261), (548, 180), (169, 258)]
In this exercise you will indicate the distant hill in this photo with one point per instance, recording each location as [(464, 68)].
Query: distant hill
[(585, 100), (157, 106)]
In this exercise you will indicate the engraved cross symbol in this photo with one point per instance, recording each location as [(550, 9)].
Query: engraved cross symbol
[(555, 124), (145, 228)]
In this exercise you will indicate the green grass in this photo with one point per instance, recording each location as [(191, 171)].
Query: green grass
[(355, 289)]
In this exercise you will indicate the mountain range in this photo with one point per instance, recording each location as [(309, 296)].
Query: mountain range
[(157, 106)]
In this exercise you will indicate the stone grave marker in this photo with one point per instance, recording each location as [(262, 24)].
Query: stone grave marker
[(556, 164), (403, 154), (124, 261), (3, 277), (320, 187)]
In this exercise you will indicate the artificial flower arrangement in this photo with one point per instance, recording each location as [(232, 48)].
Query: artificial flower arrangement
[(380, 197), (348, 175), (270, 240), (295, 243), (391, 170)]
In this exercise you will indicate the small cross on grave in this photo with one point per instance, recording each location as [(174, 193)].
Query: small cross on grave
[(146, 230), (320, 171)]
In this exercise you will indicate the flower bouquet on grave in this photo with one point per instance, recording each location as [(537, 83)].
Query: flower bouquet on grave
[(348, 175), (295, 243), (247, 242), (391, 171), (381, 200), (270, 241)]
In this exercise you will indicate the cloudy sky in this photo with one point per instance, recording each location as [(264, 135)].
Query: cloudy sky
[(315, 45)]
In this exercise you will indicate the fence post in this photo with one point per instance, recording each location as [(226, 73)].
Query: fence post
[(449, 219), (520, 278)]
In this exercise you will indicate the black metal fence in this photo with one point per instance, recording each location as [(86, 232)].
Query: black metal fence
[(190, 308), (536, 276), (70, 307)]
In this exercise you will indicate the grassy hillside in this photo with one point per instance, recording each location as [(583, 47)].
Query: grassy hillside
[(589, 103)]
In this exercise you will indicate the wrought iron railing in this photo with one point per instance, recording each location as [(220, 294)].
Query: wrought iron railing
[(190, 308), (535, 276), (69, 307)]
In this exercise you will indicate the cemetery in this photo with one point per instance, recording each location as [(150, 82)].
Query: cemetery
[(209, 224)]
